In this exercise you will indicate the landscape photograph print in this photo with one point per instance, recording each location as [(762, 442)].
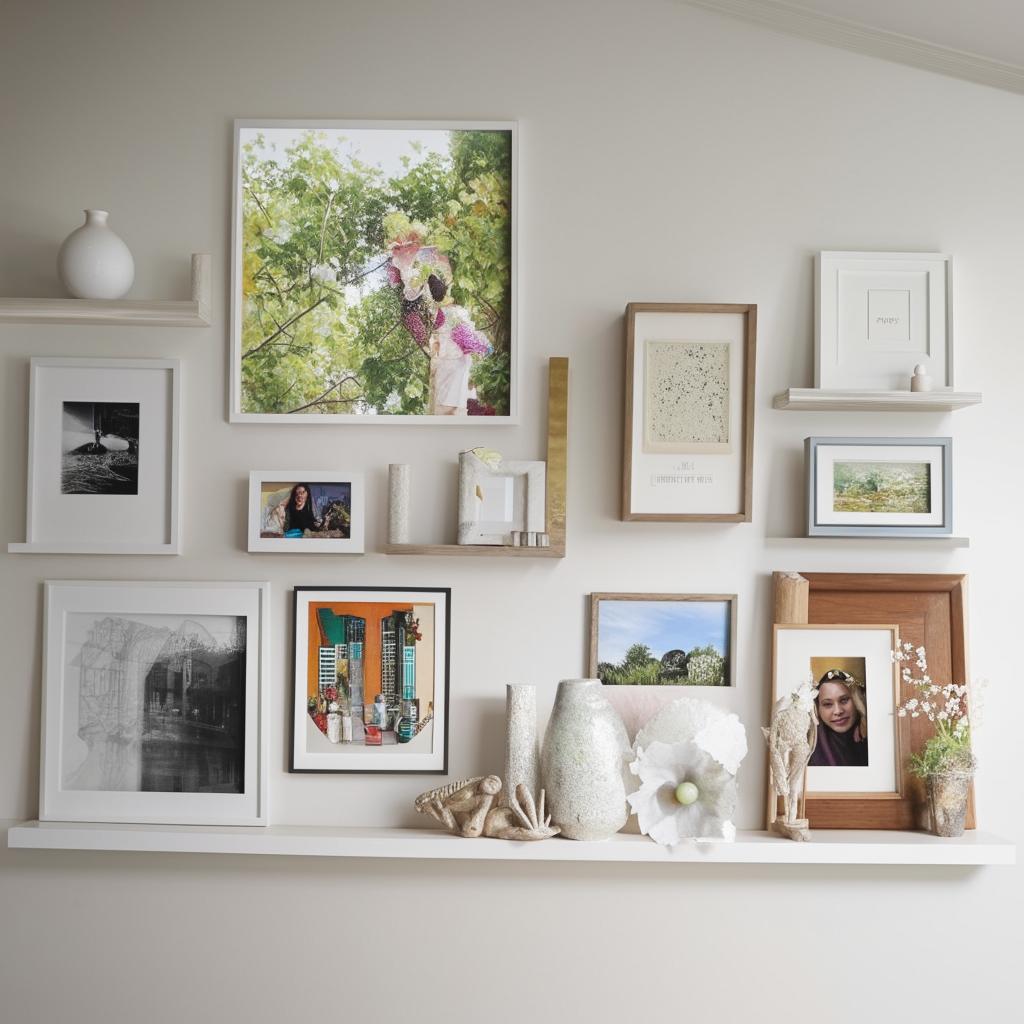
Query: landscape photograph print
[(373, 271), (662, 640), (881, 487)]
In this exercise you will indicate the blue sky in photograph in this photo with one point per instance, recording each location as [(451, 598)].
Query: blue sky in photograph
[(661, 625)]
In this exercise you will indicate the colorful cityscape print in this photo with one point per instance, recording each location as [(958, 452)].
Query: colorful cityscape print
[(370, 679)]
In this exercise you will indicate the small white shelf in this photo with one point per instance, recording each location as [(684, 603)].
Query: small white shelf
[(826, 847), (822, 400), (910, 542), (194, 312)]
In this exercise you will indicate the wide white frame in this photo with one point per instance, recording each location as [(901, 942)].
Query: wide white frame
[(844, 356), (355, 545), (822, 454), (379, 760), (528, 481), (235, 414), (38, 541), (795, 645), (250, 599)]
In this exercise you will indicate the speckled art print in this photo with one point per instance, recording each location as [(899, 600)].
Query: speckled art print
[(686, 396)]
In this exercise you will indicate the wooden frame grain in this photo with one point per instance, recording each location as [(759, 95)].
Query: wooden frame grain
[(749, 312), (596, 599), (931, 610)]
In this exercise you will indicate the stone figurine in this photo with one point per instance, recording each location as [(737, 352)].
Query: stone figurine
[(791, 739), (470, 809)]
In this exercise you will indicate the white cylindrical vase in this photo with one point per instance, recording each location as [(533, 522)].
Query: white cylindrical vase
[(398, 503), (93, 262), (583, 762), (522, 754)]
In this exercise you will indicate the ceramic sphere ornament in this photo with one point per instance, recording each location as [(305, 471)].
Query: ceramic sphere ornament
[(93, 262)]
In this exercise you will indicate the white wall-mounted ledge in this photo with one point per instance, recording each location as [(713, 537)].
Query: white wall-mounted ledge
[(910, 542), (824, 400), (194, 312), (826, 847)]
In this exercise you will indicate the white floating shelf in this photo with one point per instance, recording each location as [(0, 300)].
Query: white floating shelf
[(194, 312), (821, 400), (826, 847), (910, 542)]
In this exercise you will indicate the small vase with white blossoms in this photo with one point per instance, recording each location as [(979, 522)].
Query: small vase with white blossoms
[(946, 763)]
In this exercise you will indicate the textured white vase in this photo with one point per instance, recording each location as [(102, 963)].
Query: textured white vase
[(93, 262), (522, 756), (584, 762)]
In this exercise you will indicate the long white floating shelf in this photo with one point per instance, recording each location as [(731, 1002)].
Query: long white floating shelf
[(194, 312), (826, 847), (822, 400)]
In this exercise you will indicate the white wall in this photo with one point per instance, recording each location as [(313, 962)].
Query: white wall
[(667, 154)]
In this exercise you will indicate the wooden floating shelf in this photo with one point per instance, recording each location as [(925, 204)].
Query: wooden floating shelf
[(825, 847), (554, 485), (194, 312), (821, 400)]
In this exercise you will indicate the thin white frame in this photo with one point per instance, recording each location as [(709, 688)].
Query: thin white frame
[(897, 525), (355, 545), (172, 546), (235, 414), (251, 599), (472, 470), (828, 367), (384, 761)]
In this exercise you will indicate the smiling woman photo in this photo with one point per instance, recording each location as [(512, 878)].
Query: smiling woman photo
[(842, 721)]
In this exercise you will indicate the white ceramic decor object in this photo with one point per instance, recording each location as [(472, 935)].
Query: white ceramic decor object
[(522, 755), (584, 762), (93, 262)]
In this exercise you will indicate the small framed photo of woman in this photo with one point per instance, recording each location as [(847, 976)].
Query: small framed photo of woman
[(857, 753), (306, 511)]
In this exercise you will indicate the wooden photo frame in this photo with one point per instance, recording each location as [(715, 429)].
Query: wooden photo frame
[(930, 610), (688, 443), (676, 627)]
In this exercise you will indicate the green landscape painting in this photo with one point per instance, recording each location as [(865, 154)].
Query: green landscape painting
[(374, 271), (881, 487)]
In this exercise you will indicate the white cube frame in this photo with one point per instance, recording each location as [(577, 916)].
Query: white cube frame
[(104, 524), (524, 484), (880, 314)]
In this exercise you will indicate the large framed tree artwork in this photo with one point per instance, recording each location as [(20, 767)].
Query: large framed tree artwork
[(373, 272)]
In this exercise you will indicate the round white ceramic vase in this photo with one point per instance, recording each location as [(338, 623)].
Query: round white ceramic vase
[(583, 762), (93, 262)]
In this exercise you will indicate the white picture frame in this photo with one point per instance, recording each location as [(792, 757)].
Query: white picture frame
[(243, 129), (120, 516), (797, 648), (327, 487), (496, 501), (879, 486), (121, 673), (880, 314)]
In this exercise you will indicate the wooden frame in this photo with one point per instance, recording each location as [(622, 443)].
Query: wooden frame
[(930, 610), (745, 453), (595, 602), (335, 762)]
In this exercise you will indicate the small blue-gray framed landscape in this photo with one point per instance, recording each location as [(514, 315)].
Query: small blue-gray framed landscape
[(663, 639), (879, 486)]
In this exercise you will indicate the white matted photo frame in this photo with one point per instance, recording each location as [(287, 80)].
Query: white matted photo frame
[(880, 314), (103, 455), (689, 412), (155, 702), (860, 750), (385, 288), (370, 671), (879, 486), (498, 497), (306, 511)]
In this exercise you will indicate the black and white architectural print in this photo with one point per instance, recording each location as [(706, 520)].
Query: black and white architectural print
[(100, 448), (158, 701)]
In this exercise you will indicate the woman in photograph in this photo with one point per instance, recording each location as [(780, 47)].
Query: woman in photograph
[(842, 721), (298, 512)]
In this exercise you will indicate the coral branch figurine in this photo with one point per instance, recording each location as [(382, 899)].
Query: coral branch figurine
[(470, 809), (791, 739)]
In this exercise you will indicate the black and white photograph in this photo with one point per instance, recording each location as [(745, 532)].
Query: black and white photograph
[(100, 448), (160, 703)]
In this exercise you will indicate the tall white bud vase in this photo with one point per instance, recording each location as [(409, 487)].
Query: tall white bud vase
[(583, 762), (93, 262)]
